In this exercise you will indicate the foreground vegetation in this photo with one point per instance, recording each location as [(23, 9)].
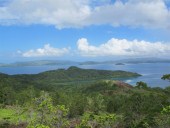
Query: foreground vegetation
[(34, 102)]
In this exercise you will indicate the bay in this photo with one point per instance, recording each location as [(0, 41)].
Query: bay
[(151, 72)]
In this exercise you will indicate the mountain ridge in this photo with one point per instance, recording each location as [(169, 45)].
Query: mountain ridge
[(68, 62)]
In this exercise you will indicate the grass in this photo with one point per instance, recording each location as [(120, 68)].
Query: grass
[(8, 115)]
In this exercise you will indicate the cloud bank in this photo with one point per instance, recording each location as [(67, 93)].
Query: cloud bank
[(46, 51), (112, 48), (81, 13), (123, 47)]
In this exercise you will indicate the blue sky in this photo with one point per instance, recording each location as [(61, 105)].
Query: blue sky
[(83, 29)]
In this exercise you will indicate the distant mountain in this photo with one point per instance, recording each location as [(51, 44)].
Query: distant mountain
[(39, 63), (2, 64), (129, 61), (144, 60), (119, 64), (89, 63), (67, 62)]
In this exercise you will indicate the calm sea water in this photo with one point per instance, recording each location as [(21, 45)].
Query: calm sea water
[(151, 72)]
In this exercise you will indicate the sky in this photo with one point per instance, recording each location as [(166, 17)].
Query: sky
[(81, 30)]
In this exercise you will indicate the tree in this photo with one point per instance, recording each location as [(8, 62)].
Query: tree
[(7, 95), (164, 117), (166, 77), (166, 110), (25, 96), (46, 115), (96, 103), (102, 120), (142, 85)]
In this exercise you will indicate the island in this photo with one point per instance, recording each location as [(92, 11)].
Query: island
[(71, 74), (119, 64)]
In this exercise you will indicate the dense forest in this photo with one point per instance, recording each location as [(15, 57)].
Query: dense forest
[(81, 98)]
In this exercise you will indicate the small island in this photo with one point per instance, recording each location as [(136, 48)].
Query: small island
[(119, 64)]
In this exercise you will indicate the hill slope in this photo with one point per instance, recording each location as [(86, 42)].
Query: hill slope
[(72, 74), (77, 74)]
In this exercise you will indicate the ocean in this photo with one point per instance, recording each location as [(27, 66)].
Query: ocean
[(151, 72)]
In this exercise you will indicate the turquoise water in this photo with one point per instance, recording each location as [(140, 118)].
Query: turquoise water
[(151, 72)]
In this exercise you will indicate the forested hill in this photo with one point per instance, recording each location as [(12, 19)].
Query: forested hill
[(73, 74), (61, 76), (77, 74), (83, 98)]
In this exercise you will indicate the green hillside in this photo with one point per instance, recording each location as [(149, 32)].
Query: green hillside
[(81, 98), (78, 74), (61, 76)]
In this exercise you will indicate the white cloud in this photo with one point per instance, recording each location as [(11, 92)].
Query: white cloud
[(123, 47), (80, 13), (67, 13), (134, 13), (47, 51)]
